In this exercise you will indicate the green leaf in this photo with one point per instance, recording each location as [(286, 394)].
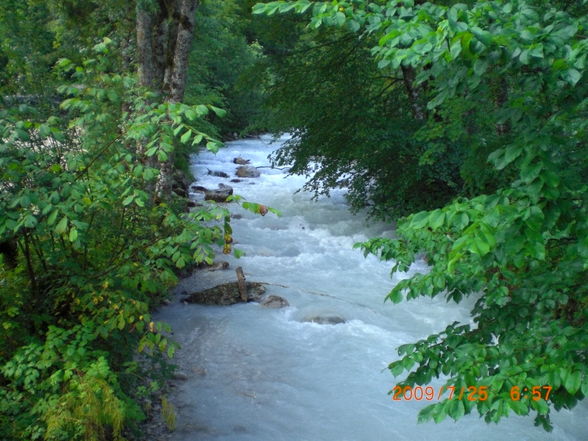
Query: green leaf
[(480, 66), (520, 407), (427, 413), (395, 296), (213, 146), (461, 220), (178, 129), (30, 221), (573, 381), (419, 220), (73, 234), (52, 217), (479, 245), (440, 412), (397, 368), (530, 171), (191, 114), (197, 139), (455, 49), (259, 8), (61, 226), (186, 136), (456, 409), (572, 76), (436, 219), (275, 211), (162, 156), (482, 35), (219, 112), (540, 406)]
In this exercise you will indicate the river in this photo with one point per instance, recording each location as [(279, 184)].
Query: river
[(259, 374)]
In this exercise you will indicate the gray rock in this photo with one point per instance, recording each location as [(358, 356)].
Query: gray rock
[(241, 161), (180, 376), (226, 294), (236, 180), (275, 302), (199, 371), (220, 174), (247, 171), (325, 319), (199, 188), (216, 266), (219, 195)]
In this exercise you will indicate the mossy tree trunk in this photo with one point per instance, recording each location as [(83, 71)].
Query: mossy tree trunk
[(165, 29)]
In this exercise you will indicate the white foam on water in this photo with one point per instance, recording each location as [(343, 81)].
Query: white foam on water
[(259, 374)]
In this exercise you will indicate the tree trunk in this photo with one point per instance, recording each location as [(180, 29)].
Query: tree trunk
[(145, 49), (408, 75), (164, 39), (182, 49)]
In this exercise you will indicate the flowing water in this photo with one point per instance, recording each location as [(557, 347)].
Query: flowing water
[(259, 374)]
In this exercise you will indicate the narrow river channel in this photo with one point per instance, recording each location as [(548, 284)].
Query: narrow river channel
[(259, 374)]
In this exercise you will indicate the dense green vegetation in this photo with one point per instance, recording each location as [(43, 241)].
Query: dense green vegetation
[(224, 56), (498, 103), (468, 119), (89, 242), (352, 126)]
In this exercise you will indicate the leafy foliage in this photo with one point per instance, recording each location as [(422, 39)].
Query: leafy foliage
[(521, 247), (353, 126), (223, 60), (95, 250)]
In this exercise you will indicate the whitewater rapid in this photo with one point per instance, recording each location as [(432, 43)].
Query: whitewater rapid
[(258, 374)]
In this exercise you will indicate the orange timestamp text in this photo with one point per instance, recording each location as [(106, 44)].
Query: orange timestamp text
[(470, 393), (429, 393)]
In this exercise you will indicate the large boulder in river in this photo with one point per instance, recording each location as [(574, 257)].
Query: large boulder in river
[(274, 302), (226, 294), (247, 171), (325, 319), (219, 195)]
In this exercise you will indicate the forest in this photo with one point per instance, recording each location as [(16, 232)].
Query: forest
[(464, 125)]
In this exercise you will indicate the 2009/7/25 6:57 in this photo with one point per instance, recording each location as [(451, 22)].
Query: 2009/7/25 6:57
[(471, 393)]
